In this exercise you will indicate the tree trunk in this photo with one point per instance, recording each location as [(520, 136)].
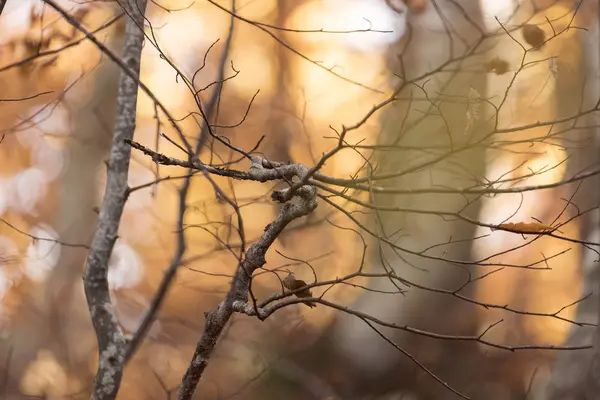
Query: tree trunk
[(430, 113), (576, 374), (55, 317)]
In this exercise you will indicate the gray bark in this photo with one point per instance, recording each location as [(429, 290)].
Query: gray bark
[(112, 345), (111, 342)]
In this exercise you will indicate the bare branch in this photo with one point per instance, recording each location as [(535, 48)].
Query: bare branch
[(111, 341), (239, 290)]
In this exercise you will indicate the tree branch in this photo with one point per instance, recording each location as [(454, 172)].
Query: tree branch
[(111, 341), (240, 287)]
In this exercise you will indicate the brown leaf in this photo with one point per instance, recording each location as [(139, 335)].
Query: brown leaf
[(497, 66), (527, 227), (291, 283), (533, 35)]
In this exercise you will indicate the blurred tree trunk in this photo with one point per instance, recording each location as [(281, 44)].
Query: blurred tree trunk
[(281, 127), (279, 138), (576, 374), (56, 316), (430, 113), (76, 218)]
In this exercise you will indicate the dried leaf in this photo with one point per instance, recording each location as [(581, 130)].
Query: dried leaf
[(533, 35), (291, 283), (497, 66), (526, 227)]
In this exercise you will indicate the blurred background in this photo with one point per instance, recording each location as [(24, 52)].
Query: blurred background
[(297, 86)]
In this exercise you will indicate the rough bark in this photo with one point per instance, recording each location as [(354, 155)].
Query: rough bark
[(237, 298), (111, 341)]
